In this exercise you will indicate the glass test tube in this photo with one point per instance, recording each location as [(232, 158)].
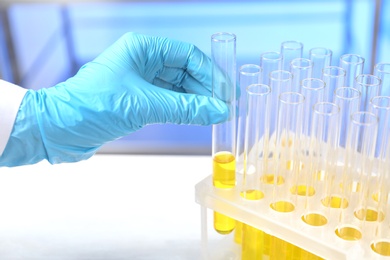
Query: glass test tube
[(356, 176), (353, 65), (223, 53), (280, 81), (348, 99), (256, 142), (300, 68), (380, 106), (369, 87), (256, 138), (313, 89), (270, 61), (321, 58), (286, 168), (382, 71), (334, 77), (290, 50), (288, 135), (248, 74), (322, 157), (381, 242)]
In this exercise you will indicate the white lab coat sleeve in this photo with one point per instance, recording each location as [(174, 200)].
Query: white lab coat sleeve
[(11, 97)]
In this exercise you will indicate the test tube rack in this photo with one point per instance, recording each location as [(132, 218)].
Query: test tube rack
[(320, 241)]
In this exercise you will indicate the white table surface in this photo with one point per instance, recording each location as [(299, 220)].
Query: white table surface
[(108, 207)]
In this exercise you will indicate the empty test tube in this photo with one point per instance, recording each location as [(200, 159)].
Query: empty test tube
[(248, 74), (223, 53), (290, 50), (321, 58), (353, 65)]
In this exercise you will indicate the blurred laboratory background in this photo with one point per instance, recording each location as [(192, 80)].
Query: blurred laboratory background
[(135, 198), (45, 42)]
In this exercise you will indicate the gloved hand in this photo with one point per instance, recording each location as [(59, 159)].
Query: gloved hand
[(139, 80)]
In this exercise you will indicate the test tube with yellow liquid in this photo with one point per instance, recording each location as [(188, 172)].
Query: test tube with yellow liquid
[(285, 158), (248, 74), (322, 154), (380, 244), (256, 157), (223, 54), (357, 174)]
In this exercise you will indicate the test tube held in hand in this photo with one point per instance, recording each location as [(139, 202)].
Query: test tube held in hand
[(223, 53)]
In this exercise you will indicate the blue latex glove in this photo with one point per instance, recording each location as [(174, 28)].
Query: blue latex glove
[(139, 80)]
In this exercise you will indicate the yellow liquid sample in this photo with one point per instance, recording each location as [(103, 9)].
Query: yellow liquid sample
[(252, 194), (224, 170), (252, 243), (283, 206), (349, 233), (314, 219), (290, 165), (369, 215), (335, 202), (223, 224), (270, 179), (376, 197), (281, 249), (352, 187), (224, 177), (382, 248), (302, 190), (238, 232)]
